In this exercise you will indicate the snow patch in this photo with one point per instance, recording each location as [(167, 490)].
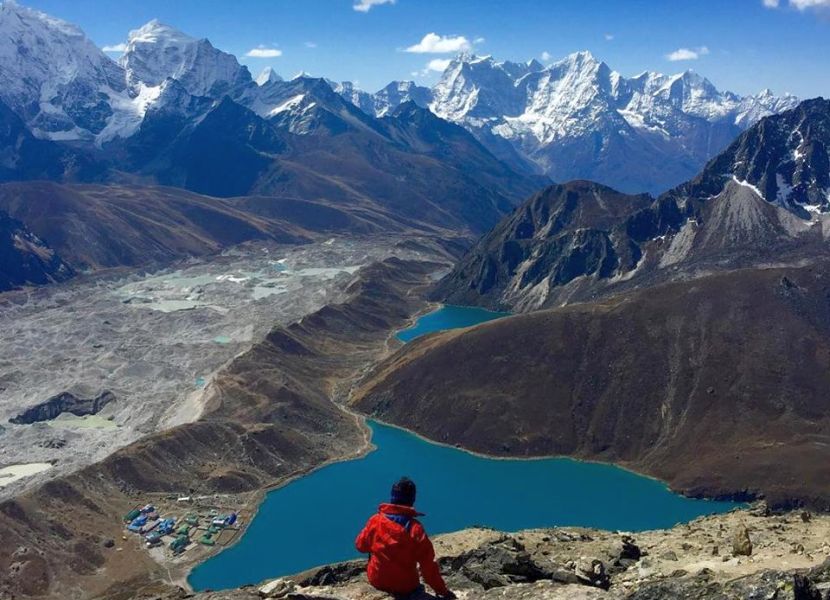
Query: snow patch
[(289, 104), (746, 184)]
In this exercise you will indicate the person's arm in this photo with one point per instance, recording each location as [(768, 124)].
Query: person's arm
[(363, 543), (426, 560)]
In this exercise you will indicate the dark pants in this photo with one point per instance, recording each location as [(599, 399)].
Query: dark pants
[(418, 593)]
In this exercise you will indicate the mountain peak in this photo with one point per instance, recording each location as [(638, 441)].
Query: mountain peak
[(24, 14), (157, 51), (585, 57), (155, 32), (45, 57), (268, 75), (472, 58)]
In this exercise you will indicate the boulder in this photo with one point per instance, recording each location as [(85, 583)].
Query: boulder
[(741, 543), (279, 588), (591, 571), (497, 564)]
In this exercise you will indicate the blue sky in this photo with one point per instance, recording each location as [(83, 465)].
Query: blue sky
[(741, 45)]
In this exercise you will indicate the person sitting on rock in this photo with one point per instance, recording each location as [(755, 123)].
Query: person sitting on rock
[(398, 545)]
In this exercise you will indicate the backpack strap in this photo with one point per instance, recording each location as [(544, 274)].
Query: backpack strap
[(404, 521)]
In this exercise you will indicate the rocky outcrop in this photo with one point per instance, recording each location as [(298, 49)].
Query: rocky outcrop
[(587, 564), (704, 384), (64, 402), (25, 259)]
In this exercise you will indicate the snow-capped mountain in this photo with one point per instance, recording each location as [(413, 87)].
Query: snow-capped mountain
[(579, 119), (65, 89), (576, 118), (156, 52), (400, 92), (385, 100), (268, 75), (784, 160), (57, 80), (764, 200)]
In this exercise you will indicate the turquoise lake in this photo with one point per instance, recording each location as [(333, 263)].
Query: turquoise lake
[(448, 317), (314, 520)]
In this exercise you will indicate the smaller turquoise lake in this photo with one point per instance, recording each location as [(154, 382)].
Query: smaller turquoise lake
[(314, 520), (448, 317)]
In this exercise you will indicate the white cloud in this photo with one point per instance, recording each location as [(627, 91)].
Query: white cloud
[(263, 52), (122, 47), (687, 53), (609, 37), (365, 6), (438, 64), (545, 56), (432, 43), (808, 4), (310, 44), (802, 5)]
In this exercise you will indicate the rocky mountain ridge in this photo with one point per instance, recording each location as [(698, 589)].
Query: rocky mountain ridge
[(579, 119), (536, 117), (764, 200)]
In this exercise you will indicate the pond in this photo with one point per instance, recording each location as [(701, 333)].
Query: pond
[(448, 317)]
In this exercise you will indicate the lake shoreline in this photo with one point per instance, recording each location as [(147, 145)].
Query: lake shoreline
[(371, 445), (368, 447)]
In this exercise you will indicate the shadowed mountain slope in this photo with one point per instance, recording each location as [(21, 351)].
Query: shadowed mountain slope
[(94, 226), (25, 259), (436, 174)]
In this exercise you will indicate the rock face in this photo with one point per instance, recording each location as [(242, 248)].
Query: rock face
[(680, 381), (64, 403), (785, 158), (563, 233), (579, 119), (439, 176), (25, 259), (580, 241), (25, 157)]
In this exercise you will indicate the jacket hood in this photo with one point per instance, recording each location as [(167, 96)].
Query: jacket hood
[(399, 509)]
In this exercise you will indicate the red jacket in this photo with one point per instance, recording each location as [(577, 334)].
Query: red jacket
[(397, 551)]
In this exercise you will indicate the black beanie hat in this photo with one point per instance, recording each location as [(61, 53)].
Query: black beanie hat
[(403, 492)]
